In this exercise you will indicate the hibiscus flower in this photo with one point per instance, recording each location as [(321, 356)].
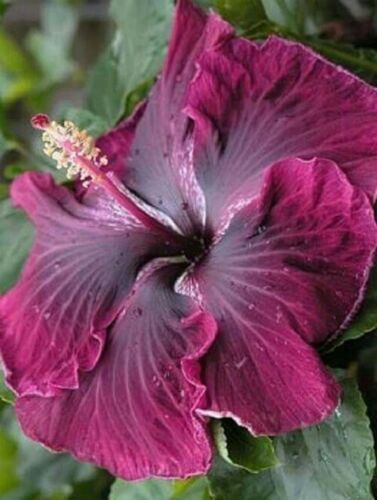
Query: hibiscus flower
[(228, 232)]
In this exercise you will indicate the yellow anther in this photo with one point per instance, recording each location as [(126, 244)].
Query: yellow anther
[(72, 149)]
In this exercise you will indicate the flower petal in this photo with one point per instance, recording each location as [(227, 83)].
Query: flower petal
[(290, 271), (84, 262), (257, 104), (135, 413), (116, 143), (283, 383), (160, 168)]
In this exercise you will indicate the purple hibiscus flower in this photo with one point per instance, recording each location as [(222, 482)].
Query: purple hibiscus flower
[(230, 233)]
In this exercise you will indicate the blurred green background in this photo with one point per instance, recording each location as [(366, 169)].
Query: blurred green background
[(92, 61)]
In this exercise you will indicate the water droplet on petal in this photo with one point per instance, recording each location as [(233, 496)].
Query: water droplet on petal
[(279, 314), (137, 312), (240, 364)]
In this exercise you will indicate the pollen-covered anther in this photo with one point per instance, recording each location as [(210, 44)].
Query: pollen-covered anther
[(72, 149)]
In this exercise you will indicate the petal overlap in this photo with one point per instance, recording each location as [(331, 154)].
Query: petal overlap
[(160, 168), (135, 414), (289, 272), (83, 263), (279, 99)]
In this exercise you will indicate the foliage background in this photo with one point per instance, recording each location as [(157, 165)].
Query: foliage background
[(92, 61)]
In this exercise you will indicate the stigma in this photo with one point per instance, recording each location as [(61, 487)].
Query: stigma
[(73, 149)]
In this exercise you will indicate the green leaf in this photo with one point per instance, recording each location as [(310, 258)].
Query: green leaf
[(5, 144), (240, 448), (59, 22), (137, 95), (16, 237), (153, 489), (134, 57), (144, 30), (8, 461), (331, 461), (191, 489), (4, 191), (361, 61), (6, 394), (12, 57), (84, 119), (290, 19), (12, 170), (18, 77), (310, 16), (39, 471), (292, 14), (46, 52), (53, 43), (241, 13), (4, 4), (97, 488), (47, 472), (205, 4), (366, 319), (106, 89), (156, 489)]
